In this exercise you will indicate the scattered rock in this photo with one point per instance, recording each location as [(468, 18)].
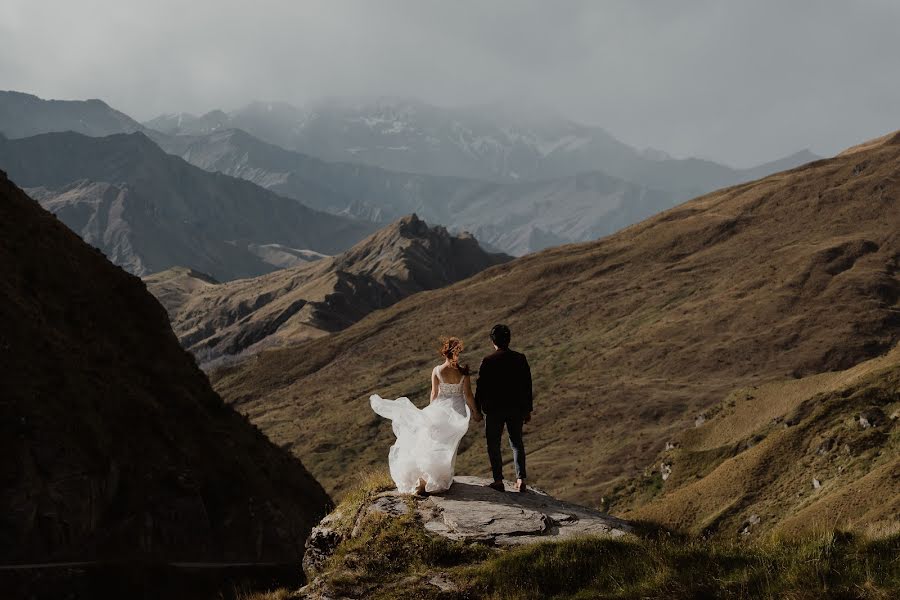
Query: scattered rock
[(816, 484), (749, 523), (392, 506), (321, 542), (665, 470), (671, 446), (443, 583), (826, 446), (871, 417), (700, 420), (895, 415)]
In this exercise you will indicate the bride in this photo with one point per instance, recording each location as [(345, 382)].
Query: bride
[(422, 459)]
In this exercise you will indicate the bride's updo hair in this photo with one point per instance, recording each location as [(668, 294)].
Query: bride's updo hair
[(451, 347)]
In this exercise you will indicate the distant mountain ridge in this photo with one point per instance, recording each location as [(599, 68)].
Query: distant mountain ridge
[(216, 320), (494, 143), (516, 218), (150, 211), (24, 115)]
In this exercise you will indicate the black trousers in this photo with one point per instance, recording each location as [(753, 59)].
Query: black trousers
[(493, 429)]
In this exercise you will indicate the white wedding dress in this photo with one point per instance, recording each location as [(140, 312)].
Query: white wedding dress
[(427, 438)]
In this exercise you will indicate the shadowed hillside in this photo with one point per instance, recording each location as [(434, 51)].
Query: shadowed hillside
[(304, 302), (630, 337), (114, 446)]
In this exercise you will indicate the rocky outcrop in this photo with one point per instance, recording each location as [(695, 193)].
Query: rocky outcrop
[(473, 513)]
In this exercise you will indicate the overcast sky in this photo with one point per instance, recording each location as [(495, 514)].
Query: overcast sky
[(737, 81)]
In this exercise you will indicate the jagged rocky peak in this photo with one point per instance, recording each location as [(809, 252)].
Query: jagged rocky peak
[(326, 295), (412, 245)]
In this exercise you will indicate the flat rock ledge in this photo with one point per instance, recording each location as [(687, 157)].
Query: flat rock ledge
[(472, 512)]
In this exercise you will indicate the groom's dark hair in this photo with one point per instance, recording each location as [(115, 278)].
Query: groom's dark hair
[(500, 335)]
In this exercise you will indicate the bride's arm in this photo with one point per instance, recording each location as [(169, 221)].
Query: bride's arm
[(434, 385), (470, 397)]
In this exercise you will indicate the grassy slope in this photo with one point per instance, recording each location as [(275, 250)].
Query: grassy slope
[(629, 337), (760, 450)]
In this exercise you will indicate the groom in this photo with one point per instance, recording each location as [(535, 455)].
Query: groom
[(504, 396)]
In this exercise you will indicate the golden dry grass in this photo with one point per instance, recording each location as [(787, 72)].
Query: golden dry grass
[(757, 456)]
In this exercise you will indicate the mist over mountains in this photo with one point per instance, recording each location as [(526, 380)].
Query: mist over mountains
[(494, 142), (515, 217), (519, 181)]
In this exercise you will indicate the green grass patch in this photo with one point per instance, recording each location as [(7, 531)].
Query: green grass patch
[(371, 484)]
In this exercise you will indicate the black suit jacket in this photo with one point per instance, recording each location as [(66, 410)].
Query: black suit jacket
[(504, 384)]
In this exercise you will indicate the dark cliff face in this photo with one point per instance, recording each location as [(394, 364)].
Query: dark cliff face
[(114, 446)]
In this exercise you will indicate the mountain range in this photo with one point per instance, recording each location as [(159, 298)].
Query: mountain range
[(494, 143), (310, 301), (567, 182), (516, 217), (115, 447), (632, 338), (149, 211)]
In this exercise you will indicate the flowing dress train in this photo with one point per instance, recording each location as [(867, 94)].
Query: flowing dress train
[(427, 438)]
